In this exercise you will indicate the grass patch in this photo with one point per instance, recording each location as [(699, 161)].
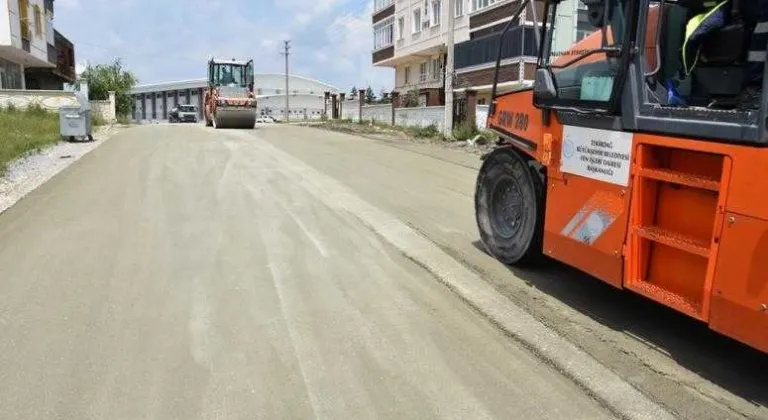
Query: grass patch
[(124, 120), (429, 131), (465, 130), (23, 132), (97, 120)]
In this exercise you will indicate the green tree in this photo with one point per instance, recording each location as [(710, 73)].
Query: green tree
[(411, 98), (104, 78), (353, 93), (369, 95)]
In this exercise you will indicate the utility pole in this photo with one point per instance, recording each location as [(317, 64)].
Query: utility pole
[(287, 97), (448, 120)]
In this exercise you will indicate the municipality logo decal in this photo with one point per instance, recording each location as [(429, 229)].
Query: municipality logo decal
[(568, 148)]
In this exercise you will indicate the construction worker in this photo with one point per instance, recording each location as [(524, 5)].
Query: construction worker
[(226, 77)]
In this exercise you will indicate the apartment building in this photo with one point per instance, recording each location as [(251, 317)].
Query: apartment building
[(409, 36), (33, 55)]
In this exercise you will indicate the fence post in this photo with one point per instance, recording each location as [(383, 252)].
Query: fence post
[(395, 97), (342, 96), (113, 106), (362, 101), (334, 107)]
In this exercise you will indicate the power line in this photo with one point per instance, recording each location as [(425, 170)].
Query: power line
[(287, 47)]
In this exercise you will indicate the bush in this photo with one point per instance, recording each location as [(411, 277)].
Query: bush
[(124, 120), (465, 130), (485, 137), (424, 132)]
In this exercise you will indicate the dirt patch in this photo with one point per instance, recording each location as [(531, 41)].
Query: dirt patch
[(416, 135)]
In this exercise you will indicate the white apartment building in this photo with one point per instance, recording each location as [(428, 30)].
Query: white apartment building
[(32, 52), (410, 36)]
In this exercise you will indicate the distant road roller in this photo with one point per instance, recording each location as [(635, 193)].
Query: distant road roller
[(229, 98)]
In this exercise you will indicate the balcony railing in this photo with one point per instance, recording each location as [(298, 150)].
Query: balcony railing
[(379, 5), (519, 41)]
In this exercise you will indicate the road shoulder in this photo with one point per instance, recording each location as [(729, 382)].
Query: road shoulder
[(28, 173)]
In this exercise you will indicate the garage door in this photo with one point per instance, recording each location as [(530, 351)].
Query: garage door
[(139, 113), (171, 99), (193, 98), (160, 114)]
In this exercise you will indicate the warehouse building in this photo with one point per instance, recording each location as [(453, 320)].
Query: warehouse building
[(152, 102)]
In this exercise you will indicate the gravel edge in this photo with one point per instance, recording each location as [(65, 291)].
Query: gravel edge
[(29, 172)]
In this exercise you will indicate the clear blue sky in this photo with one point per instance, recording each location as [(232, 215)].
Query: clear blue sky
[(161, 40)]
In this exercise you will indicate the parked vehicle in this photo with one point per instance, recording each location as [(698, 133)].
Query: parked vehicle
[(173, 114), (266, 119), (184, 113)]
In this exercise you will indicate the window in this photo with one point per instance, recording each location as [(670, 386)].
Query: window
[(401, 27), (24, 19), (417, 21), (383, 33), (226, 74), (39, 28), (437, 68), (583, 27), (580, 73), (458, 8), (437, 6), (407, 75), (10, 75), (381, 4), (423, 72), (482, 4)]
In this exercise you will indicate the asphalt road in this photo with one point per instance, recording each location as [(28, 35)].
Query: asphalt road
[(179, 272), (182, 272), (676, 361)]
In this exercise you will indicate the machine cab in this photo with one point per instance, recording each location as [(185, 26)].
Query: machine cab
[(231, 73), (631, 64)]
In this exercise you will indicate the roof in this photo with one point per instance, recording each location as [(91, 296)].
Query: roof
[(232, 61), (203, 83)]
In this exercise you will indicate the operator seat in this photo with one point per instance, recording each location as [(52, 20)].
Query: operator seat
[(721, 66)]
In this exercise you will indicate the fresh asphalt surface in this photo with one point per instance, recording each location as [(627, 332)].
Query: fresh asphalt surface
[(183, 272)]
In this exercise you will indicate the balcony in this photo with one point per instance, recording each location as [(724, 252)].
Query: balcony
[(379, 5), (383, 54), (65, 57), (383, 9), (52, 55), (518, 42)]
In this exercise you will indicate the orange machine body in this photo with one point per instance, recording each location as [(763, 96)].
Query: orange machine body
[(682, 221)]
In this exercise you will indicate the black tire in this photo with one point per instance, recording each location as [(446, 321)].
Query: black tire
[(509, 207)]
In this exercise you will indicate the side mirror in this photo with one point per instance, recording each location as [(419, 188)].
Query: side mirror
[(543, 85)]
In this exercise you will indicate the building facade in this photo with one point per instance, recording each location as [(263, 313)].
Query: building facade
[(410, 36), (152, 102), (33, 55)]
